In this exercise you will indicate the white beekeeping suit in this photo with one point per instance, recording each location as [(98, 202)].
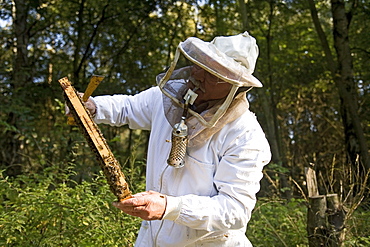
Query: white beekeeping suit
[(210, 199)]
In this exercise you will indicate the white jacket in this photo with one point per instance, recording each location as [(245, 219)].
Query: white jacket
[(210, 199)]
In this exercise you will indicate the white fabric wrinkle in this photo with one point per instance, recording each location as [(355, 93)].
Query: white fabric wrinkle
[(117, 110), (199, 216), (173, 207)]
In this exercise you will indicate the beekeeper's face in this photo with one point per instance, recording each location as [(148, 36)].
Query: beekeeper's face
[(210, 86)]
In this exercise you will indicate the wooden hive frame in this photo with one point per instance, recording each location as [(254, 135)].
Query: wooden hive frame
[(108, 163)]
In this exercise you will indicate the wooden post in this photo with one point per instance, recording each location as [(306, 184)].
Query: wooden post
[(311, 180), (325, 216), (316, 221), (336, 217)]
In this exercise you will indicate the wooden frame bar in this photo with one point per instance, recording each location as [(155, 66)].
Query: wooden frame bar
[(108, 163)]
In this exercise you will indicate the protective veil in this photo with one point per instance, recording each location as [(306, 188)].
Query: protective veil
[(232, 60)]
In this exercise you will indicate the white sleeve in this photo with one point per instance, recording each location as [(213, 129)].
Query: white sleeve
[(237, 180), (117, 110)]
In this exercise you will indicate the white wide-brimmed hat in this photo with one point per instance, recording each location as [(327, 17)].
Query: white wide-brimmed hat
[(231, 58)]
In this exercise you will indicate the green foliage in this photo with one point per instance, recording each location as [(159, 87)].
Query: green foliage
[(358, 228), (278, 223), (50, 209)]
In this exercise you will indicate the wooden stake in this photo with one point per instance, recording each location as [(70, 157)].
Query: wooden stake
[(311, 180)]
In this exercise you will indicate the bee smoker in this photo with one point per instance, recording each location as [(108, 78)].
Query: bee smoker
[(180, 135)]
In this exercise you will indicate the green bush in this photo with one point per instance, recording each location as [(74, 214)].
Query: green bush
[(278, 223), (283, 223), (52, 210), (358, 228)]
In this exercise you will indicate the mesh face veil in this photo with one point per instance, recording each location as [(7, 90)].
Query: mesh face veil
[(231, 59)]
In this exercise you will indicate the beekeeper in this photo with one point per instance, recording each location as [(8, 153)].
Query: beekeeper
[(206, 149)]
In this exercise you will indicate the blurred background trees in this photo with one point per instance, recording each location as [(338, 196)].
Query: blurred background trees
[(314, 64)]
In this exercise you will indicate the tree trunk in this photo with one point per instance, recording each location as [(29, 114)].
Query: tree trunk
[(342, 74), (243, 14), (220, 28), (21, 65), (11, 143), (268, 102), (354, 136), (76, 56)]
